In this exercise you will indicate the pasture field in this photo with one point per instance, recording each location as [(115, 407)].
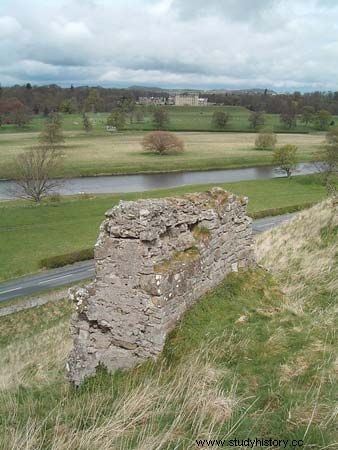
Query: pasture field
[(97, 153), (181, 119), (29, 233)]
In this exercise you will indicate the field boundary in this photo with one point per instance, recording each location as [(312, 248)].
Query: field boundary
[(272, 212)]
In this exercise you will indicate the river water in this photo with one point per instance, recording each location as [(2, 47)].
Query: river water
[(145, 182)]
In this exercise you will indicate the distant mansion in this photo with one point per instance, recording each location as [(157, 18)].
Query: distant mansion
[(177, 100)]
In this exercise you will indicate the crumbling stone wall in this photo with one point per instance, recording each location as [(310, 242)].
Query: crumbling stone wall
[(154, 258)]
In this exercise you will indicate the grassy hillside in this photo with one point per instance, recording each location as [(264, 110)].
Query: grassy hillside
[(98, 153), (253, 358), (303, 256), (29, 233)]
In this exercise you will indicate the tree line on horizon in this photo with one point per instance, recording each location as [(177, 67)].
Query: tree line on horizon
[(53, 98)]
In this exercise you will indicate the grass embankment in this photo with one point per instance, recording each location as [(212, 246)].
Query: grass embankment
[(97, 153), (245, 361), (29, 234)]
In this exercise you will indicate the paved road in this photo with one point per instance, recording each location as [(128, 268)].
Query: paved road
[(55, 278), (33, 284), (260, 225)]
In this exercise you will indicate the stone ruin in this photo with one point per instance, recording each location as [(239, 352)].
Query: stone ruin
[(154, 259)]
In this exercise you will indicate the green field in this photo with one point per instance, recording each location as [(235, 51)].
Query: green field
[(97, 153), (30, 233), (181, 119), (101, 152)]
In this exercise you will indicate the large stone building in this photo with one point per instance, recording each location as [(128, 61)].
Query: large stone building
[(185, 99), (189, 100), (152, 100)]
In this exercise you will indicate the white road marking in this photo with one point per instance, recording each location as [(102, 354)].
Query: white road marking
[(53, 279), (266, 224), (11, 290)]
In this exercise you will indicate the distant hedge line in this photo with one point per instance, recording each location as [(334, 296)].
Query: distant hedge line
[(68, 258), (279, 211)]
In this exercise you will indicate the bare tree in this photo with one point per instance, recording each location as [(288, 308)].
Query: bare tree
[(20, 117), (308, 114), (51, 133), (256, 119), (160, 119), (35, 171), (86, 123), (288, 116), (163, 142)]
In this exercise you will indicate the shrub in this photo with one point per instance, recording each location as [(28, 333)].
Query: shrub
[(69, 258), (266, 140), (162, 142)]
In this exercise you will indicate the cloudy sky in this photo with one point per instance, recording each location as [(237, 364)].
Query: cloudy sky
[(280, 44)]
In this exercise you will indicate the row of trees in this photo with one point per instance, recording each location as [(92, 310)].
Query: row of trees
[(118, 118), (18, 115), (14, 111), (221, 119), (321, 120)]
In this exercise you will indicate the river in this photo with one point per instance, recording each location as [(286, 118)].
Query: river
[(145, 182)]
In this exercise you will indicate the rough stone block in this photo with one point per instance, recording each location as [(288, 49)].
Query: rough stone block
[(154, 258)]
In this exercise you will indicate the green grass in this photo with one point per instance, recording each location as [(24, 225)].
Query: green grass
[(97, 153), (181, 119), (30, 233), (229, 370), (33, 321)]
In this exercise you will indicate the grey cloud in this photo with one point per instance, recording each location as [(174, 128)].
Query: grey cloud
[(232, 43), (241, 10)]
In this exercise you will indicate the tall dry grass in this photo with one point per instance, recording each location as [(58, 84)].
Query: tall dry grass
[(302, 254), (193, 393)]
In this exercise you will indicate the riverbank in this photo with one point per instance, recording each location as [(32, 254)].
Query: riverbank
[(30, 233)]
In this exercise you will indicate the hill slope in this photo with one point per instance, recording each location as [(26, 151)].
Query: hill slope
[(247, 361)]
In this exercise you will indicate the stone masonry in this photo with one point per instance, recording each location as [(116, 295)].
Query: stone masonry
[(154, 258)]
